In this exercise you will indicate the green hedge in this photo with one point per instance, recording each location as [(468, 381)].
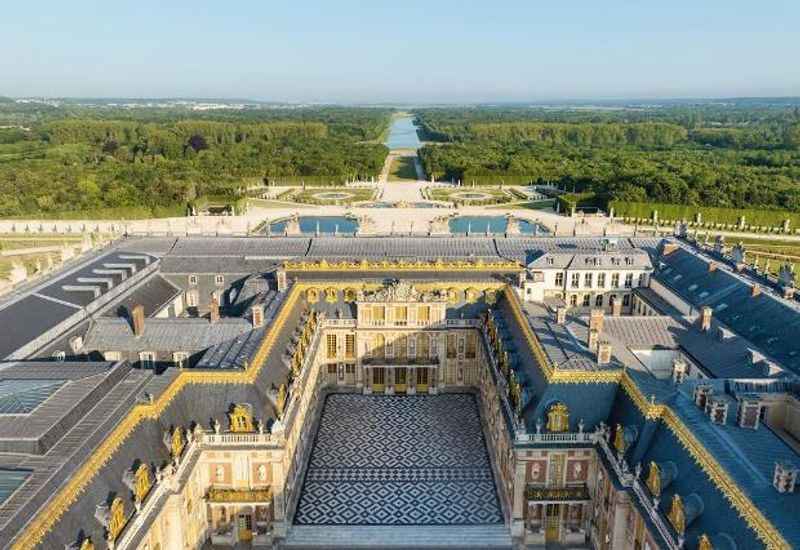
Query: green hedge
[(752, 216), (568, 201)]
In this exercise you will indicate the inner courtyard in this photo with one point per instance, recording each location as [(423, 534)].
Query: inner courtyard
[(399, 460)]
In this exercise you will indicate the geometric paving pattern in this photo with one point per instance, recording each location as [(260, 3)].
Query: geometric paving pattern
[(399, 460)]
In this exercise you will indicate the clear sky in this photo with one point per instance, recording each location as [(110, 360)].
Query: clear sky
[(401, 50)]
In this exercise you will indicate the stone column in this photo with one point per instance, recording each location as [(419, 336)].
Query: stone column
[(519, 502)]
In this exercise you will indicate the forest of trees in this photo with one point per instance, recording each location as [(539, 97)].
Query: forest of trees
[(737, 157), (70, 159)]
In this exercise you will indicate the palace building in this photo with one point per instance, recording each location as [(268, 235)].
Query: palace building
[(364, 392)]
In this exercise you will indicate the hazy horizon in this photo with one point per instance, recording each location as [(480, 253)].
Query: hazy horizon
[(416, 53)]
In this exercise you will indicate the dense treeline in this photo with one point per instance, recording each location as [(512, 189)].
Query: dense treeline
[(165, 160), (754, 161)]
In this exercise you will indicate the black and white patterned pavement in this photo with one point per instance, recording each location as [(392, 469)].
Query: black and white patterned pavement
[(399, 460)]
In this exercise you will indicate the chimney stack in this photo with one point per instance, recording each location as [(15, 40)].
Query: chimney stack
[(257, 315), (280, 278), (213, 313), (594, 338), (603, 353), (705, 318), (755, 290), (137, 318), (596, 317), (561, 315)]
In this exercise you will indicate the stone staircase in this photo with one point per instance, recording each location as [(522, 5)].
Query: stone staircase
[(488, 537)]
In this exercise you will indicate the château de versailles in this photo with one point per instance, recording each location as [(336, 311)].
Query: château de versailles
[(464, 392)]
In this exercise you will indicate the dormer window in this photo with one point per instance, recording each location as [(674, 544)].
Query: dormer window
[(192, 280), (701, 395), (219, 280), (749, 412), (59, 355), (717, 410), (785, 477)]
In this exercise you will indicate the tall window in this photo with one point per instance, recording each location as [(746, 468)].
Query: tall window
[(628, 280), (331, 346), (642, 279), (451, 346), (401, 349), (423, 346), (401, 316), (626, 300), (379, 315), (576, 280), (587, 300), (587, 280), (349, 345), (615, 280), (559, 279), (573, 300), (424, 314), (378, 347), (598, 302), (601, 280), (472, 346)]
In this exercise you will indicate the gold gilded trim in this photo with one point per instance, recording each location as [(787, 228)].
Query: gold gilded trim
[(41, 524), (402, 265)]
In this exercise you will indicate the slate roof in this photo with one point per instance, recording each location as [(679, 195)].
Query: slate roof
[(152, 295), (628, 259), (174, 334), (403, 247), (771, 323)]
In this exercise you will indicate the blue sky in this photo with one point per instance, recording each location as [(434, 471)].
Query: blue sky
[(401, 51)]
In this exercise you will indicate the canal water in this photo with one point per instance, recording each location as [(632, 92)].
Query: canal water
[(403, 134)]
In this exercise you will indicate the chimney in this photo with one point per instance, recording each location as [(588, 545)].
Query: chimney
[(280, 278), (561, 315), (593, 339), (603, 353), (755, 290), (137, 317), (213, 313), (596, 320), (257, 315), (705, 318)]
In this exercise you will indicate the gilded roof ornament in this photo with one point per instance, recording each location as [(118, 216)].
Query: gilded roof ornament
[(241, 417), (142, 483), (677, 515), (558, 418), (654, 480)]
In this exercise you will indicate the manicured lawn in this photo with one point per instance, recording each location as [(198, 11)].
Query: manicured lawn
[(402, 169)]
